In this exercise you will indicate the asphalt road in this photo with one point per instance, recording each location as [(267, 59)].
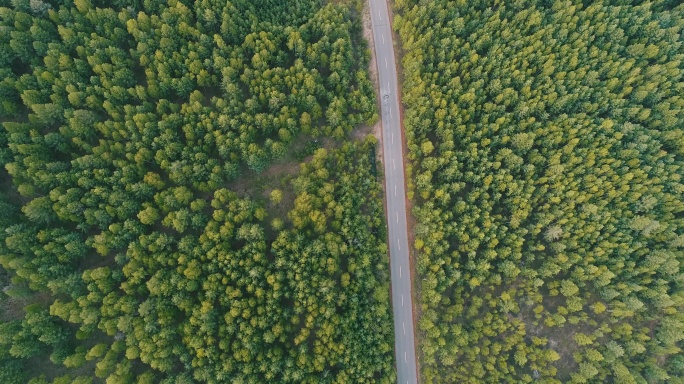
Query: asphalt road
[(402, 305)]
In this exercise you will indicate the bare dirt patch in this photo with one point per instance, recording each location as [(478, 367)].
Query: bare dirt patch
[(256, 185), (561, 338), (12, 308)]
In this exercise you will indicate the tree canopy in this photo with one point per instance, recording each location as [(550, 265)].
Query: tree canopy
[(545, 140), (128, 254)]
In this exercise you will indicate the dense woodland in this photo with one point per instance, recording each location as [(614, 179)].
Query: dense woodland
[(128, 253), (547, 155)]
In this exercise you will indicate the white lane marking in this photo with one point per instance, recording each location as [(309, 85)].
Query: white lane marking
[(385, 62), (390, 110), (402, 300), (388, 85), (395, 189), (398, 246), (397, 222), (394, 165), (405, 361), (392, 137), (379, 15), (383, 38), (400, 271), (403, 325)]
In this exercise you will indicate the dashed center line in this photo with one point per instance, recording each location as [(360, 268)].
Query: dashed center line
[(388, 114)]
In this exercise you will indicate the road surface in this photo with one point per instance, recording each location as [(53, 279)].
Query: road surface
[(402, 305)]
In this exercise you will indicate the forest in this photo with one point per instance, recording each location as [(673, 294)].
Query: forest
[(157, 226), (546, 157)]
